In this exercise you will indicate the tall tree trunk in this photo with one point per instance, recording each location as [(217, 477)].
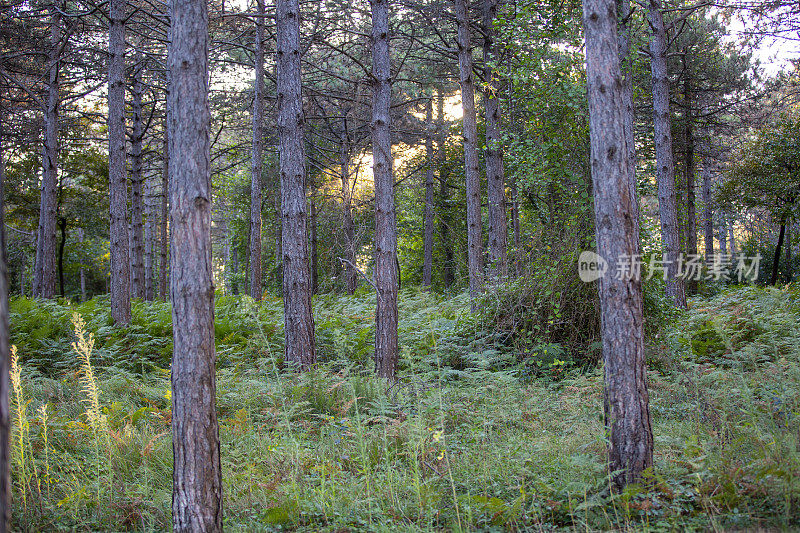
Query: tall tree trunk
[(448, 270), (471, 172), (197, 476), (427, 238), (626, 402), (45, 275), (5, 348), (495, 177), (690, 168), (387, 275), (708, 212), (137, 202), (298, 316), (789, 252), (164, 220), (314, 246), (665, 165), (257, 162), (723, 234), (62, 225), (732, 237), (118, 190), (83, 269), (350, 275), (149, 266), (626, 59), (776, 260)]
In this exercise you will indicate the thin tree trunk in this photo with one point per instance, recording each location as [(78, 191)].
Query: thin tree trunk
[(708, 212), (627, 68), (164, 221), (788, 252), (665, 165), (350, 275), (5, 347), (626, 402), (298, 316), (386, 267), (137, 211), (118, 191), (723, 234), (448, 270), (149, 276), (776, 260), (471, 172), (427, 238), (314, 245), (257, 158), (495, 177), (731, 236), (197, 475), (512, 185), (83, 269), (62, 225), (690, 168), (45, 276)]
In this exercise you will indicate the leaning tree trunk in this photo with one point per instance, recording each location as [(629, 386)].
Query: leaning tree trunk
[(163, 264), (45, 272), (118, 191), (197, 476), (5, 410), (471, 172), (386, 267), (137, 201), (427, 238), (776, 260), (495, 177), (257, 162), (708, 212), (626, 403), (298, 316), (665, 165)]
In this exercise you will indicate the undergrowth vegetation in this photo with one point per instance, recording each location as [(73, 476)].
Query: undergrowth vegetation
[(481, 432)]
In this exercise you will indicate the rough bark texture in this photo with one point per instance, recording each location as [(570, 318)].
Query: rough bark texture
[(5, 410), (164, 260), (256, 163), (45, 271), (427, 238), (137, 192), (197, 476), (708, 213), (665, 165), (626, 60), (448, 268), (471, 172), (298, 317), (627, 414), (118, 190), (495, 177), (386, 267)]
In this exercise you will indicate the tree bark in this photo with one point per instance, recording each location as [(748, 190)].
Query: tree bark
[(386, 267), (626, 402), (690, 168), (5, 348), (137, 205), (626, 65), (62, 225), (471, 172), (723, 233), (164, 250), (788, 252), (45, 272), (314, 244), (197, 476), (776, 260), (298, 316), (708, 212), (257, 161), (732, 237), (495, 177), (448, 268), (148, 241), (118, 190), (350, 275), (665, 165), (427, 238)]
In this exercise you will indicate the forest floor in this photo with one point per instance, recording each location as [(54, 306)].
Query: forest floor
[(479, 445)]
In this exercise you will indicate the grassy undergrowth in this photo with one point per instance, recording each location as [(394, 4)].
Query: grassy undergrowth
[(469, 439)]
